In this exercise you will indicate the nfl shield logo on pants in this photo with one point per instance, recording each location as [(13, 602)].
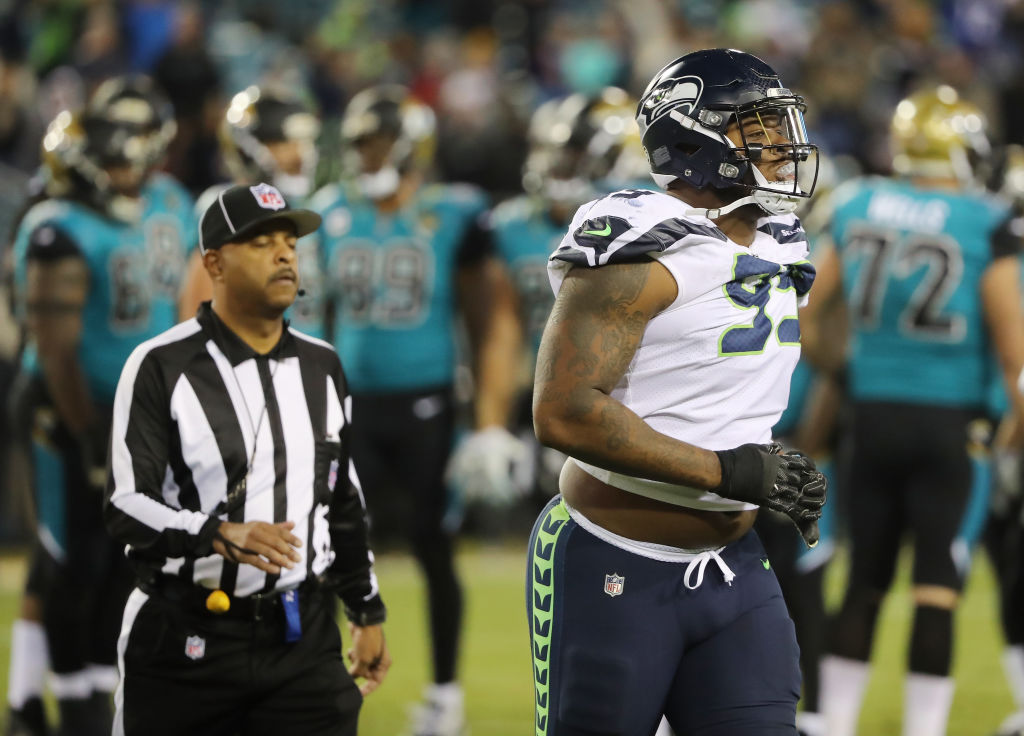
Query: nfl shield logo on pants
[(613, 584), (195, 647)]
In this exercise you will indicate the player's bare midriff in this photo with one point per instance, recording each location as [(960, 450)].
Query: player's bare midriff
[(647, 520)]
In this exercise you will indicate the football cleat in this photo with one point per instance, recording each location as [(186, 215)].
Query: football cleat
[(442, 713)]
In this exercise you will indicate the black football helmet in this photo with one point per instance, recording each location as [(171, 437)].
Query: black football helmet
[(127, 123), (254, 121), (390, 117), (689, 106), (583, 144)]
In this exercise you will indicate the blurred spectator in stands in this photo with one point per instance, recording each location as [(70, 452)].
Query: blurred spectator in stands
[(98, 54), (187, 74), (480, 139), (150, 27), (20, 129)]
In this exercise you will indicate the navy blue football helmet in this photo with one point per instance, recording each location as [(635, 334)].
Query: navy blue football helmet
[(692, 103)]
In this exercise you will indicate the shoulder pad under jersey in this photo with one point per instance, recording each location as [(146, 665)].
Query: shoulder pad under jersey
[(628, 226)]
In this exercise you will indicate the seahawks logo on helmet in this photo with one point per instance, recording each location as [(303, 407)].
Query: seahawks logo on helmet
[(681, 92)]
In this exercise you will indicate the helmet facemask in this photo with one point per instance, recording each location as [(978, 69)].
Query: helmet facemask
[(769, 130)]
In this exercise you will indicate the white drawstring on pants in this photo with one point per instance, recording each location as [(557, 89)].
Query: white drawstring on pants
[(700, 562)]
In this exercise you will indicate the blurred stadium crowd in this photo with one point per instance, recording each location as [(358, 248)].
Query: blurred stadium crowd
[(486, 68)]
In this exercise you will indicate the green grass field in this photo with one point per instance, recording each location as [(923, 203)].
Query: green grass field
[(496, 659)]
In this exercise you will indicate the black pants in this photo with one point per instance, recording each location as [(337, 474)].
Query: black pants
[(77, 570), (909, 472), (190, 672), (400, 446)]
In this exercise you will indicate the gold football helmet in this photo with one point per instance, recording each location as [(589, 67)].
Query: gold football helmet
[(62, 151), (935, 133)]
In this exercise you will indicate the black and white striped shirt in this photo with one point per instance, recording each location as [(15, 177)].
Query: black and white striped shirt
[(194, 407)]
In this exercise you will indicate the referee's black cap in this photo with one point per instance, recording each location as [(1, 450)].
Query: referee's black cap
[(239, 210)]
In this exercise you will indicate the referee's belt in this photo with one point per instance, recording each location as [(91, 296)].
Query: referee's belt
[(256, 607)]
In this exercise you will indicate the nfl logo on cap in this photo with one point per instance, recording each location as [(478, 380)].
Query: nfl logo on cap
[(268, 197), (613, 584), (195, 647)]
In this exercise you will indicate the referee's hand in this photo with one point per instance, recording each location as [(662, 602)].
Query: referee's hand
[(268, 547), (369, 656)]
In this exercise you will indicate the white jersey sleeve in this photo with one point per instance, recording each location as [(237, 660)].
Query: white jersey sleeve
[(713, 369), (626, 227)]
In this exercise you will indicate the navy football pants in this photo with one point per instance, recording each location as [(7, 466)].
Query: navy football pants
[(717, 660)]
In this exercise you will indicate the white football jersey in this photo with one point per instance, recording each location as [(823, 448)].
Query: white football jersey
[(713, 369)]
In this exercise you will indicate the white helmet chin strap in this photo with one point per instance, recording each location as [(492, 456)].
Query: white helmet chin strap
[(714, 214), (774, 197)]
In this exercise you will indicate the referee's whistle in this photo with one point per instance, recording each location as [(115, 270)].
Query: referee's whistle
[(218, 602)]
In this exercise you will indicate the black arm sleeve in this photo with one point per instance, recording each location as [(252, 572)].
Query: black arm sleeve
[(351, 574), (476, 244), (134, 508), (1008, 238), (50, 243)]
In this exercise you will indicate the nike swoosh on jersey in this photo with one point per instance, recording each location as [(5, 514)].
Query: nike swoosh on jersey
[(600, 233)]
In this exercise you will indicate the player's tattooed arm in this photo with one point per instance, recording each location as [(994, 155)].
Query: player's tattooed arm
[(56, 294), (595, 327)]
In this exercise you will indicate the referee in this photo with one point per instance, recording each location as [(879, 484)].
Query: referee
[(231, 484)]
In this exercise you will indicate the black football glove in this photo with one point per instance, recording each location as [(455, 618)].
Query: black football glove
[(801, 495), (787, 483)]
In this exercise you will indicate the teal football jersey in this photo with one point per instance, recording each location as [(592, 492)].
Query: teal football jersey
[(135, 273), (912, 262), (525, 236), (391, 280), (799, 391)]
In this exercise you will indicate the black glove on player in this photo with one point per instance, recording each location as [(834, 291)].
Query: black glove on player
[(787, 483)]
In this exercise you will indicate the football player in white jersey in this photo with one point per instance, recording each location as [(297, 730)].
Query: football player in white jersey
[(664, 365)]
